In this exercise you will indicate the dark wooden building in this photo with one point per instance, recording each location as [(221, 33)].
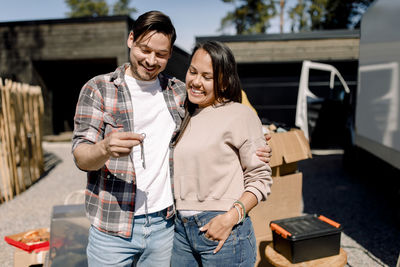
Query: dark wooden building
[(269, 67), (61, 55)]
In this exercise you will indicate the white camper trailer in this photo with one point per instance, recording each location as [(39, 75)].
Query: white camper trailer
[(377, 114)]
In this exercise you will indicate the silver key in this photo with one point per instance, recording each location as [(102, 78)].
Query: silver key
[(142, 151)]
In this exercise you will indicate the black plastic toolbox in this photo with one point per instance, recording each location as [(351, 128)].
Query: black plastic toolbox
[(306, 237)]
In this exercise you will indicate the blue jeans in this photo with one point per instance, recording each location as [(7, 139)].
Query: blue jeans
[(192, 248), (150, 244)]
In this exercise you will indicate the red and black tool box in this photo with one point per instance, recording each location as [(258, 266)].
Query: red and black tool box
[(306, 237)]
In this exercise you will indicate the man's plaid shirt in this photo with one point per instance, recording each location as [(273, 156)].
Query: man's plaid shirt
[(105, 106)]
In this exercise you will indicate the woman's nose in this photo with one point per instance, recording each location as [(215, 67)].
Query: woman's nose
[(197, 81)]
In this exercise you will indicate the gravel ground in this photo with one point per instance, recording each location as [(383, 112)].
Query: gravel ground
[(32, 209), (370, 236)]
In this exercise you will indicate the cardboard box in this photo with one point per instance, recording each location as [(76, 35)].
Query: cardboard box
[(285, 199), (287, 149), (24, 258)]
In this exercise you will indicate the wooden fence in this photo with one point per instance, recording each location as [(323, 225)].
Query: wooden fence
[(21, 154)]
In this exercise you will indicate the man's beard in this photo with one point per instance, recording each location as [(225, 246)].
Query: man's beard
[(137, 75)]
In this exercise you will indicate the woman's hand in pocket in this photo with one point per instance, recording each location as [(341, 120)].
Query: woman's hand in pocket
[(220, 227)]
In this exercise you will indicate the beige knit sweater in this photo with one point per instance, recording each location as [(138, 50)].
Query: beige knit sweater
[(215, 160)]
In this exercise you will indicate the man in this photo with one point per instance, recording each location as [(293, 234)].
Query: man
[(124, 123)]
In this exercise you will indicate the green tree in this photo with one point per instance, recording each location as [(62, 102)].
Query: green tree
[(327, 14), (95, 8), (298, 17), (308, 15), (87, 8), (121, 7), (344, 14), (249, 16), (317, 13)]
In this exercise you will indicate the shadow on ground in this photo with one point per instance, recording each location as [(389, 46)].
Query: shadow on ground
[(50, 162), (361, 199)]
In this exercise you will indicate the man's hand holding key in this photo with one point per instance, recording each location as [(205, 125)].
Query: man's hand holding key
[(120, 144)]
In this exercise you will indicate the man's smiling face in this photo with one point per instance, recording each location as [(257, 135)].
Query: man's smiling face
[(148, 55)]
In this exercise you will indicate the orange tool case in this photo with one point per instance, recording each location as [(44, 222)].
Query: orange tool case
[(306, 237)]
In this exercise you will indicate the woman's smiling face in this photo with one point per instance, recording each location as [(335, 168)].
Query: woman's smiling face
[(200, 79)]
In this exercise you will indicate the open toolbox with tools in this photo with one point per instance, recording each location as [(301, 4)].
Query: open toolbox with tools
[(306, 237)]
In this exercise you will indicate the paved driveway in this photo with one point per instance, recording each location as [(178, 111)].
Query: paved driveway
[(32, 209)]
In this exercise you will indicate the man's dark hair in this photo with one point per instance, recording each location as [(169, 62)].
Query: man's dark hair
[(153, 21)]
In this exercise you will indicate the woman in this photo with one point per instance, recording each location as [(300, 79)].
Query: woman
[(219, 178)]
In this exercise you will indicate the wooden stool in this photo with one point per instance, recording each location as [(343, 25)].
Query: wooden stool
[(278, 260)]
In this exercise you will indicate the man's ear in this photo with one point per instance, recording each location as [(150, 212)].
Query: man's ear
[(129, 42)]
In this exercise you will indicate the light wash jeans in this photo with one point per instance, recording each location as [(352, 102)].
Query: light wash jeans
[(149, 246), (192, 248)]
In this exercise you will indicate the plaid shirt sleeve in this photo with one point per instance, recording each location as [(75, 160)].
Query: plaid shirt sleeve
[(89, 125)]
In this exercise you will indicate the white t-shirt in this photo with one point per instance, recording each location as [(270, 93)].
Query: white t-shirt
[(152, 117)]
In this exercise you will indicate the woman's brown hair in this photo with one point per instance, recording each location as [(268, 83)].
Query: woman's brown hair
[(226, 79)]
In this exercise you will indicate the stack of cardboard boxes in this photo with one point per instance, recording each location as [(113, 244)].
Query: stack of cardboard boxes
[(285, 199)]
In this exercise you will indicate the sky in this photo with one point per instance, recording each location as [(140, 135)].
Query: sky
[(191, 18)]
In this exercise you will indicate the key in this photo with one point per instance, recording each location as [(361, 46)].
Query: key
[(142, 151)]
